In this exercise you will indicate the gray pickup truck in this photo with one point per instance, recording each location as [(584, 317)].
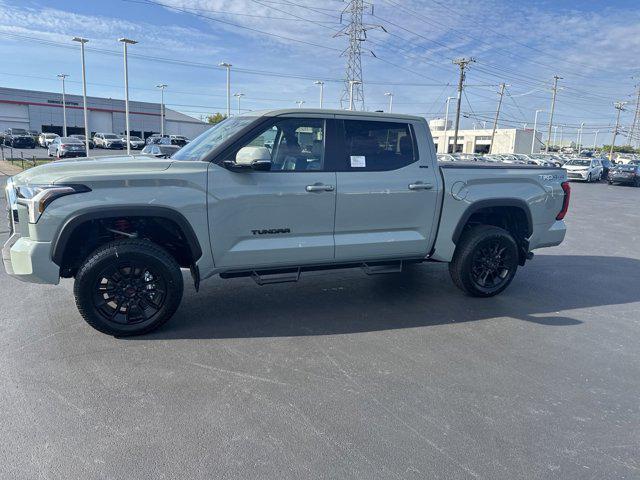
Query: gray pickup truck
[(271, 195)]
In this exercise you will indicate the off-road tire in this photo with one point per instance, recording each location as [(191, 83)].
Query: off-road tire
[(469, 252), (120, 257)]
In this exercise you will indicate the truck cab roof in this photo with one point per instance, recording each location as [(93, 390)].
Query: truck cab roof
[(331, 112)]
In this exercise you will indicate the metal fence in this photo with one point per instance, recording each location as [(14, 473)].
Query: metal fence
[(7, 154)]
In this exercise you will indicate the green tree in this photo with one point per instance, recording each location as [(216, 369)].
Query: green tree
[(216, 118)]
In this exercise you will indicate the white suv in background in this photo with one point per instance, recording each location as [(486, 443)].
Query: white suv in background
[(587, 169)]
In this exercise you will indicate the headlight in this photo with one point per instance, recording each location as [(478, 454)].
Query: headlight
[(37, 197)]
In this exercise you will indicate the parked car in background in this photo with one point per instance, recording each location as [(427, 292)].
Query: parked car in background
[(628, 174), (587, 169), (136, 143), (45, 139), (155, 138), (160, 151), (179, 140), (82, 139), (66, 147), (18, 138), (446, 157), (34, 134), (108, 140)]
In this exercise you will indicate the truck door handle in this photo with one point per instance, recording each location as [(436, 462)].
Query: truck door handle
[(420, 186), (319, 187)]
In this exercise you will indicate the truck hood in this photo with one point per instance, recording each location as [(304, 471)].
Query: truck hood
[(91, 167)]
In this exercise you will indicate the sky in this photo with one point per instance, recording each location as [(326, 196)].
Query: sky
[(279, 47)]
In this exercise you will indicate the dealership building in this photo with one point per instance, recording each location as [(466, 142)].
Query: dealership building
[(506, 140), (42, 111)]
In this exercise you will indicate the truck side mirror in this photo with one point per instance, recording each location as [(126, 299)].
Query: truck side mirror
[(255, 158)]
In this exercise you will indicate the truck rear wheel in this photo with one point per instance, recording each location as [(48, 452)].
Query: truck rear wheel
[(485, 261), (128, 287)]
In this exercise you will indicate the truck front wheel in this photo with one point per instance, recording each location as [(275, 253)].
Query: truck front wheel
[(128, 287), (485, 261)]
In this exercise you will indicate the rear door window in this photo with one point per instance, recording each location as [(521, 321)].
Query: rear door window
[(377, 146)]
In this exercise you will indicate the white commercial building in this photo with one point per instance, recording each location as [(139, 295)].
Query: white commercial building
[(507, 140), (42, 111)]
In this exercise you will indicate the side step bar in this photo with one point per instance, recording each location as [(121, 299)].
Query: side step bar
[(292, 274)]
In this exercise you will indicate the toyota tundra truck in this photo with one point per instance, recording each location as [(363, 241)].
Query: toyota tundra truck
[(271, 195)]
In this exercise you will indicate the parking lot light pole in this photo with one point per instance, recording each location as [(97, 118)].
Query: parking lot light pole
[(320, 83), (125, 42), (300, 103), (82, 41), (162, 86), (446, 125), (228, 67), (535, 127), (238, 95), (595, 140), (390, 95), (561, 136), (580, 138), (62, 76)]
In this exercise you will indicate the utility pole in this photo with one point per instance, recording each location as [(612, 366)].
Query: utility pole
[(462, 63), (62, 76), (553, 107), (87, 133), (321, 84), (619, 106), (357, 33), (636, 122), (495, 122)]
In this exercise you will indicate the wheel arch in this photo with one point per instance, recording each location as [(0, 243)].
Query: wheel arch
[(71, 224)]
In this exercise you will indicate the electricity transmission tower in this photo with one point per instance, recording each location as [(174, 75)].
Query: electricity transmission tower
[(353, 91)]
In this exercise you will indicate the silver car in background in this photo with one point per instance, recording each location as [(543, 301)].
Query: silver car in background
[(66, 147)]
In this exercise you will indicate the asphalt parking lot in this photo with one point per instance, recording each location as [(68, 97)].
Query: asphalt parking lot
[(343, 375)]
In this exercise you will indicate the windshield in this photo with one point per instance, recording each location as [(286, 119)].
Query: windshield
[(627, 168), (18, 131), (70, 140), (109, 135), (50, 135), (580, 163), (79, 137), (135, 139), (202, 145)]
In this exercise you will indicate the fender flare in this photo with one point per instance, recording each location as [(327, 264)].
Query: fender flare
[(74, 221), (492, 203)]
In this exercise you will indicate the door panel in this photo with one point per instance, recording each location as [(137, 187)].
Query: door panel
[(262, 219), (383, 211)]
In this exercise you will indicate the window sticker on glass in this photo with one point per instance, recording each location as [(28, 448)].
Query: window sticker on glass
[(358, 161)]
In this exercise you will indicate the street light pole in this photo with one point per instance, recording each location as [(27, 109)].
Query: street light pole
[(321, 84), (535, 126), (300, 103), (580, 138), (228, 67), (162, 86), (62, 76), (82, 41), (446, 125), (238, 95), (595, 140), (125, 42), (555, 134), (561, 136), (390, 95), (351, 84)]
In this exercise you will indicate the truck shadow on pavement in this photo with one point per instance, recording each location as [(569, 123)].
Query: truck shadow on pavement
[(349, 301)]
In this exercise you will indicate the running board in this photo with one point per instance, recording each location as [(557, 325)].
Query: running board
[(378, 268), (270, 277)]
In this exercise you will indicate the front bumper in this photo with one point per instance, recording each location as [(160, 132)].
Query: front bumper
[(577, 175), (29, 261)]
